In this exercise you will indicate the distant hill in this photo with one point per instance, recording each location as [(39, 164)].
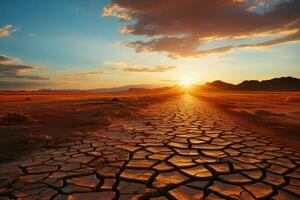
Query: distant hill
[(104, 90), (276, 84), (160, 89), (219, 85), (124, 88)]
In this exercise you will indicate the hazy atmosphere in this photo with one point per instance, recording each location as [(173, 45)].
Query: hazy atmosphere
[(93, 43), (149, 99)]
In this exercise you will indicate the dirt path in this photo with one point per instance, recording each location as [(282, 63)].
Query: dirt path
[(182, 149)]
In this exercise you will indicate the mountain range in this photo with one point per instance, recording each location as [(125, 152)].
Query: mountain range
[(275, 84)]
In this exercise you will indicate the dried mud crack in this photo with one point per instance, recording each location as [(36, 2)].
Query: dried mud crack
[(181, 149)]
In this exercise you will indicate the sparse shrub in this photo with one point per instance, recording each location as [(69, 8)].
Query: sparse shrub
[(79, 134), (92, 119), (47, 138), (115, 99), (40, 140), (14, 118), (268, 113)]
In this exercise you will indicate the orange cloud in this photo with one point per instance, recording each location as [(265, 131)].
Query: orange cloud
[(7, 30), (149, 69), (117, 11), (179, 28)]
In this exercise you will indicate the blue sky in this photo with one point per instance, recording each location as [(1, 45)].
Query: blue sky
[(64, 32), (80, 48)]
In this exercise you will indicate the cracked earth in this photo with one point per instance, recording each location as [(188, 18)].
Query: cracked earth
[(181, 149)]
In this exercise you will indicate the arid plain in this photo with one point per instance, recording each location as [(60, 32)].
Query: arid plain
[(165, 144), (30, 119)]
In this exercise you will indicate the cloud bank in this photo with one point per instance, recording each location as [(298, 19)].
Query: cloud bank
[(179, 28), (10, 68)]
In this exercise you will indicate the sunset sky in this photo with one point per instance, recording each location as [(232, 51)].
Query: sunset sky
[(102, 43)]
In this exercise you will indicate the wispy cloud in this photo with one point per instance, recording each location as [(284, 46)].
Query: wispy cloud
[(149, 69), (31, 35), (83, 74), (169, 81), (7, 30), (127, 67)]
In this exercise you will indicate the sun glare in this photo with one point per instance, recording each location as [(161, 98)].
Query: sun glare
[(186, 82)]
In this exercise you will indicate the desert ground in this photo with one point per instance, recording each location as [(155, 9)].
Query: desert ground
[(29, 120), (168, 145), (275, 113)]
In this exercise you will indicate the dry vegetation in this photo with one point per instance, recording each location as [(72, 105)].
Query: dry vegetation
[(32, 119)]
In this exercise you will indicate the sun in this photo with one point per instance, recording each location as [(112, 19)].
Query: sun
[(186, 82)]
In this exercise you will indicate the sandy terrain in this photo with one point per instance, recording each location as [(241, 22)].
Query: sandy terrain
[(276, 111), (32, 119)]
